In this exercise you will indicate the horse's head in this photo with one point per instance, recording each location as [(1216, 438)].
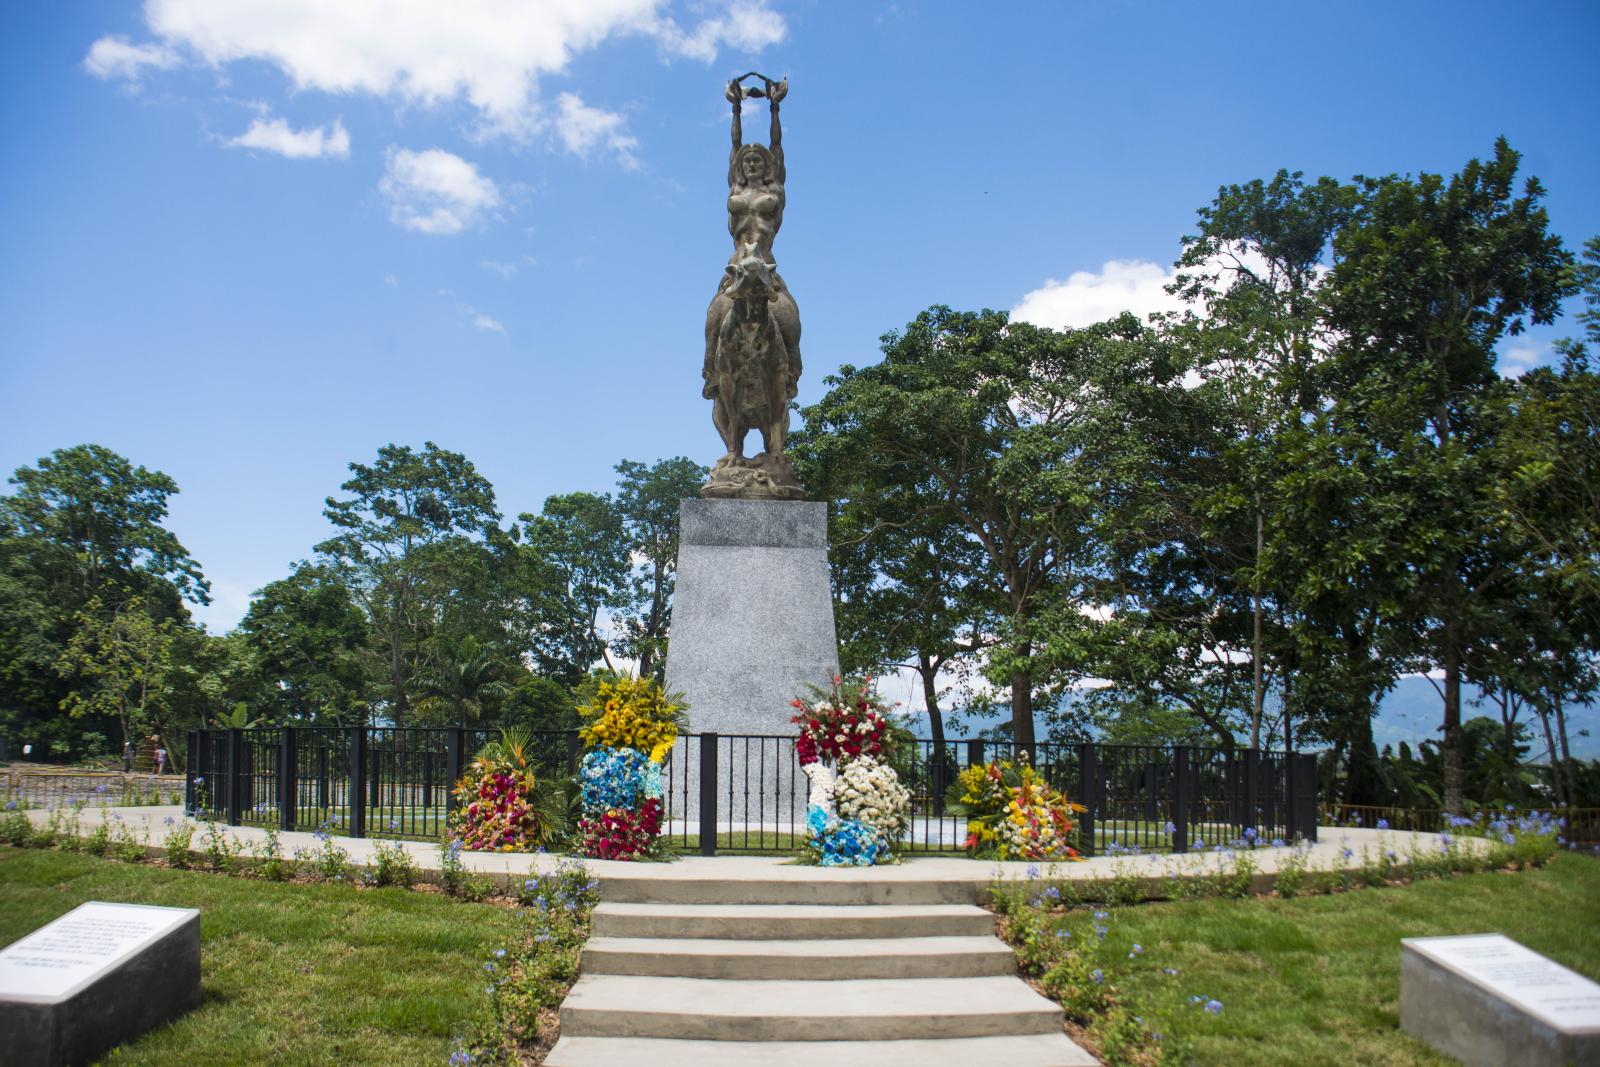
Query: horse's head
[(751, 278)]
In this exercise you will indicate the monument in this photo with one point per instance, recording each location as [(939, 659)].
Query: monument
[(752, 617)]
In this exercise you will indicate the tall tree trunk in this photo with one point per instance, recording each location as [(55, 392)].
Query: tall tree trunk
[(1022, 714), (397, 677), (1555, 761), (1361, 786), (1561, 739), (930, 696), (1452, 726)]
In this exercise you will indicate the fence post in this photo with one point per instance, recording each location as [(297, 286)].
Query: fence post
[(357, 796), (1181, 801), (708, 794), (974, 753), (288, 778), (427, 779), (939, 784), (574, 748), (455, 742), (1088, 783), (1251, 798), (1303, 796), (191, 767), (235, 774)]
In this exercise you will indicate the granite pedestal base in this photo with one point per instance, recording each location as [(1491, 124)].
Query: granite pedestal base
[(100, 975), (752, 627), (1489, 1001)]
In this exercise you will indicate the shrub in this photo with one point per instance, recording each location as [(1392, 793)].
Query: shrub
[(177, 842), (391, 865)]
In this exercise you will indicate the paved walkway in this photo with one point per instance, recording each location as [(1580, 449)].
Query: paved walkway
[(1330, 851)]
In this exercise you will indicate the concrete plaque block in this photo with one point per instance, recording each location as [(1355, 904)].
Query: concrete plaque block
[(1489, 1001), (100, 975), (752, 626)]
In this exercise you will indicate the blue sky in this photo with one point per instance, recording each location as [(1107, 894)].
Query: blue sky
[(249, 243)]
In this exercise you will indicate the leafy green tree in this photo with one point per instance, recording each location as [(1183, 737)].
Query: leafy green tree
[(404, 513), (1432, 273), (305, 642), (1254, 271), (83, 524), (649, 500), (117, 656), (93, 522), (991, 417), (459, 682), (897, 563), (577, 541)]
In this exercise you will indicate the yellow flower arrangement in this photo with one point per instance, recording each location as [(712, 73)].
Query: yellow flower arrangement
[(631, 713)]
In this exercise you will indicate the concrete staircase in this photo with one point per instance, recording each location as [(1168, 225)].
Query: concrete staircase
[(834, 967)]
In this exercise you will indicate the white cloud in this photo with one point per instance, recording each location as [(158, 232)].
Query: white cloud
[(391, 281), (117, 57), (1087, 297), (1521, 356), (581, 128), (488, 54), (276, 135), (505, 270), (746, 25), (488, 325), (434, 191)]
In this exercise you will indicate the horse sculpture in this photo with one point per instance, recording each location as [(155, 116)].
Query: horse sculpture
[(751, 374)]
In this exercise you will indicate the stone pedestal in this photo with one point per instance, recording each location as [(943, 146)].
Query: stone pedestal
[(100, 975), (1488, 1001), (752, 626)]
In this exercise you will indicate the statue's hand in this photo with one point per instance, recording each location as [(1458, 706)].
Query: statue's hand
[(708, 391), (734, 93), (777, 90)]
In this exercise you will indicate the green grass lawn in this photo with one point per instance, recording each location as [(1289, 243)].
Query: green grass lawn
[(289, 973), (1316, 980)]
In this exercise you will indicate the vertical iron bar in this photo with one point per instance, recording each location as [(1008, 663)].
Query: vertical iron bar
[(574, 750), (235, 777), (974, 753), (708, 794)]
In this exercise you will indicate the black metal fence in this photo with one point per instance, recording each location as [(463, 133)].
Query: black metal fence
[(746, 793)]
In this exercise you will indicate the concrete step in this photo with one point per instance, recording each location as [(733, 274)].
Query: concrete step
[(1029, 1050), (893, 888), (898, 957), (776, 922), (870, 1009)]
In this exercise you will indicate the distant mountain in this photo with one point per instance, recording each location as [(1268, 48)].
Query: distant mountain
[(1414, 710)]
